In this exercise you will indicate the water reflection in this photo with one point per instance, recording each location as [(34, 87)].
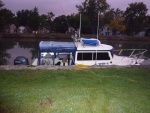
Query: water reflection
[(33, 46), (4, 55), (29, 48), (10, 49)]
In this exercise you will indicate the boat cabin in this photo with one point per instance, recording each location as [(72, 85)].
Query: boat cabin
[(92, 52)]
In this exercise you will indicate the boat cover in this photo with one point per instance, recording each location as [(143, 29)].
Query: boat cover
[(53, 46), (91, 42)]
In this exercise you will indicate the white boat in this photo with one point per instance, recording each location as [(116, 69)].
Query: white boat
[(84, 51)]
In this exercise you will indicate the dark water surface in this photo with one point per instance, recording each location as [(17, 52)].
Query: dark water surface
[(10, 49)]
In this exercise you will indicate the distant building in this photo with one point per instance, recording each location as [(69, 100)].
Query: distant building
[(12, 28), (22, 29), (71, 30), (42, 30), (140, 34), (106, 31), (147, 32), (6, 29), (144, 33)]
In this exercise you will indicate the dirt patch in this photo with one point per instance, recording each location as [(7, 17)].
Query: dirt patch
[(2, 110), (46, 102)]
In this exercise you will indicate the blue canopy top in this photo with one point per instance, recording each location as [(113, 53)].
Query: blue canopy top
[(52, 46), (90, 42)]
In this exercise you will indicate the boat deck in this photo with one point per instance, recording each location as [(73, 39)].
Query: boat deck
[(102, 47)]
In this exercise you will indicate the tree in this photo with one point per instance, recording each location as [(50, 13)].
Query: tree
[(90, 9), (29, 18), (43, 20), (4, 55), (34, 19), (115, 19), (23, 17), (50, 17), (46, 21), (1, 4), (135, 16), (147, 29), (60, 24), (74, 21), (6, 18), (148, 21), (117, 24)]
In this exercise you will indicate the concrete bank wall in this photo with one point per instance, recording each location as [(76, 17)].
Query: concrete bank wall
[(68, 36)]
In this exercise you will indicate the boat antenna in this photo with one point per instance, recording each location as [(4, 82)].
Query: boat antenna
[(98, 26), (80, 27)]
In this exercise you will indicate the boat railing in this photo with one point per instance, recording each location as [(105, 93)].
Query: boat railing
[(75, 39), (135, 53)]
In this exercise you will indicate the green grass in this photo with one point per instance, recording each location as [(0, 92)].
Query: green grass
[(75, 91)]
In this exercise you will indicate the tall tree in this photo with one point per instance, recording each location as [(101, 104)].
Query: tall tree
[(1, 4), (50, 17), (46, 20), (6, 18), (148, 21), (34, 19), (29, 18), (60, 24), (90, 9), (43, 20), (147, 34), (4, 55), (117, 24), (135, 16), (115, 19), (23, 17), (74, 20)]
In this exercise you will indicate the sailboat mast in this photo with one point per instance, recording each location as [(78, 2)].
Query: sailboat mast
[(98, 25), (97, 37), (80, 27)]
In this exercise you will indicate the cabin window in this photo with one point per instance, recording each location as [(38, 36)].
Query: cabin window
[(92, 56), (101, 56), (84, 56)]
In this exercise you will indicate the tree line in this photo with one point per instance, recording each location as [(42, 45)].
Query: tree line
[(131, 21)]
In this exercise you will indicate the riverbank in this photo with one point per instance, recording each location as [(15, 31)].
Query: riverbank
[(68, 36), (73, 67)]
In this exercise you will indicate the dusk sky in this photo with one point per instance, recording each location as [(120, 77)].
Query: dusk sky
[(60, 7)]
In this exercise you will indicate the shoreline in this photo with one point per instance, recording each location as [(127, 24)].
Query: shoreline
[(73, 67), (60, 36)]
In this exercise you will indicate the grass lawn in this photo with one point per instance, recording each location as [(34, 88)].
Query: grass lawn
[(75, 91)]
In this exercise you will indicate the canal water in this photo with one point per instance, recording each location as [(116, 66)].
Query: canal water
[(10, 49)]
